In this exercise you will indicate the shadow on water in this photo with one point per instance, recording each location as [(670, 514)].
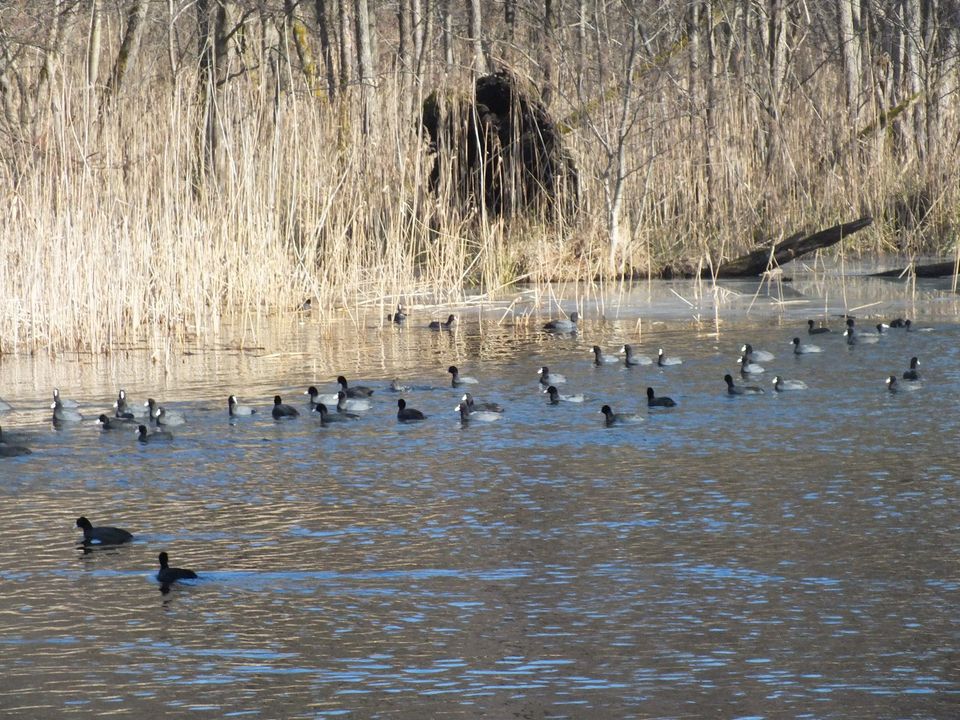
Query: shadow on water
[(784, 555)]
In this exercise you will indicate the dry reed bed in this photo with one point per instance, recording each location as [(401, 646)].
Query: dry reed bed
[(108, 231)]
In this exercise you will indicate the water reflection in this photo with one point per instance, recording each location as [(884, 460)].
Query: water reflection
[(784, 555)]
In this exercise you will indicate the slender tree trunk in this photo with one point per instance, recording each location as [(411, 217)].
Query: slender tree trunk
[(694, 96), (301, 41), (418, 30), (368, 79), (709, 110), (447, 31), (427, 10), (932, 64), (323, 31), (128, 47), (582, 15), (616, 172), (914, 72), (848, 16), (94, 44), (776, 65), (207, 83), (475, 37), (549, 26), (346, 54), (404, 36), (405, 55), (53, 48)]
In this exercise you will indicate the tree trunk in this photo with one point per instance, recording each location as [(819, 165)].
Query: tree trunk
[(418, 27), (207, 83), (710, 102), (475, 38), (323, 31), (368, 79), (914, 72), (53, 49), (549, 26), (404, 37), (94, 44), (616, 172), (848, 17), (346, 54), (776, 64), (447, 32), (405, 56), (933, 61), (301, 41), (128, 47)]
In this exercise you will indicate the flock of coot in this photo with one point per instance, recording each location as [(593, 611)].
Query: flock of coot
[(349, 400)]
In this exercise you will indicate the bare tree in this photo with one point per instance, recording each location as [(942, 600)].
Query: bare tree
[(613, 136)]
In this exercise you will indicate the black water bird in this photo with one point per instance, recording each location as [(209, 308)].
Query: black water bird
[(556, 397), (169, 575), (152, 437), (610, 418), (466, 414), (912, 373), (405, 414), (548, 378), (600, 358), (357, 391), (456, 379), (630, 359), (741, 389), (910, 327), (780, 384), (799, 349), (283, 411), (664, 361), (103, 535), (108, 423), (327, 417), (63, 414), (563, 325), (756, 355), (663, 401), (448, 325), (399, 316), (123, 409)]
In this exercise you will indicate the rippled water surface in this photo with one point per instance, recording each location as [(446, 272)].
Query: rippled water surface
[(785, 555)]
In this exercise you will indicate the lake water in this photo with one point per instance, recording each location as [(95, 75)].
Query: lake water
[(785, 555)]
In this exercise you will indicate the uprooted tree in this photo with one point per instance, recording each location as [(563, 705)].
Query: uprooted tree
[(500, 151)]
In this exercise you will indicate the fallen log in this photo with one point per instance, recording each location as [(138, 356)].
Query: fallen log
[(935, 270), (759, 261)]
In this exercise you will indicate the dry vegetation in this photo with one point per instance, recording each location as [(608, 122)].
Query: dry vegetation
[(162, 168)]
